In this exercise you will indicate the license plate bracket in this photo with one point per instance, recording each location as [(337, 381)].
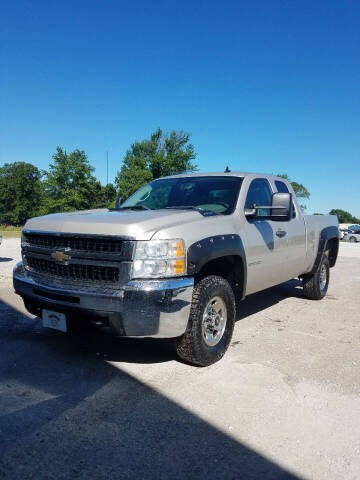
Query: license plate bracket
[(54, 320)]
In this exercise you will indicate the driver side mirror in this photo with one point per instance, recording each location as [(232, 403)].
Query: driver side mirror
[(281, 208)]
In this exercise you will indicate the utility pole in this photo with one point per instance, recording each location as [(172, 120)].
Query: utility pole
[(107, 168)]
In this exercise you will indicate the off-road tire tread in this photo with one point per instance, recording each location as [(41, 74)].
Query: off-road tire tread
[(190, 347)]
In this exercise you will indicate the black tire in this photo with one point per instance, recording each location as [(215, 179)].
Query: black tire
[(192, 347), (312, 284), (352, 239)]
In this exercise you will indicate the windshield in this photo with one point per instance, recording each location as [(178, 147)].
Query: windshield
[(213, 194)]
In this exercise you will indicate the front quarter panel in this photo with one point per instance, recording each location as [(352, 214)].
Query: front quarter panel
[(203, 242)]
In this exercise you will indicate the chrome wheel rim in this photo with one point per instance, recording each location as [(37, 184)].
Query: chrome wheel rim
[(323, 277), (214, 321)]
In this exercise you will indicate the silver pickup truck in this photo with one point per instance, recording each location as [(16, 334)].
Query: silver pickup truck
[(175, 259)]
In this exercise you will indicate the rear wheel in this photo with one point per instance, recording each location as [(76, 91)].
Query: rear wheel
[(211, 322), (316, 285)]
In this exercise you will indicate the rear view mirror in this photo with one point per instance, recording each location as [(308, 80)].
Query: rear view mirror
[(281, 207)]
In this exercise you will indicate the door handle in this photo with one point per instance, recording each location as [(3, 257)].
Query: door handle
[(281, 233)]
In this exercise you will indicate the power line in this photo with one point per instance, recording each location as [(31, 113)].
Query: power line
[(107, 168)]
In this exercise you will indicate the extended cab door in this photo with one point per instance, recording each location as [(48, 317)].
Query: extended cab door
[(296, 238), (265, 240)]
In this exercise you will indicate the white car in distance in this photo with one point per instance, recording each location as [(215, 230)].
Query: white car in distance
[(352, 237)]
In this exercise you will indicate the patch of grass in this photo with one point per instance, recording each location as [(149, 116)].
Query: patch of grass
[(9, 231), (10, 234), (10, 228)]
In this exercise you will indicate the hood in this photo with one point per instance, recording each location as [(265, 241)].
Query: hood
[(140, 225)]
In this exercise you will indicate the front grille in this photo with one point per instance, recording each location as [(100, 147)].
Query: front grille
[(73, 271), (95, 263), (80, 243)]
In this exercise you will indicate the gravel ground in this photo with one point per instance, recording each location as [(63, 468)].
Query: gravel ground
[(283, 403)]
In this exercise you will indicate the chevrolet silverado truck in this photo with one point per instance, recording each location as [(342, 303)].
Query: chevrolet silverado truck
[(175, 259)]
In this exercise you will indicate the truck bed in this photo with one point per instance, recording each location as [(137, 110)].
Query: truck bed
[(314, 224)]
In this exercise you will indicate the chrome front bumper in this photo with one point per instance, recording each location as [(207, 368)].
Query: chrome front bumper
[(144, 308)]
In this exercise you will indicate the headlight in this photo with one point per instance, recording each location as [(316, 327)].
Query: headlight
[(159, 258)]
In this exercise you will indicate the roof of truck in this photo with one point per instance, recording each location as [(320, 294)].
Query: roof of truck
[(225, 174)]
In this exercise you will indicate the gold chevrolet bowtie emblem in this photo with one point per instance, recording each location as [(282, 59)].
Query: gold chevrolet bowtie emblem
[(60, 256)]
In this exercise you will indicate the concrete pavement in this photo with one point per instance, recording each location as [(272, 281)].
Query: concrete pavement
[(283, 403)]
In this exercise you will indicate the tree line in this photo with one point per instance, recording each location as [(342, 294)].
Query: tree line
[(70, 184), (344, 216)]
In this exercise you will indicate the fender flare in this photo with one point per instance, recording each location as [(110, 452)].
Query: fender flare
[(211, 248), (326, 234)]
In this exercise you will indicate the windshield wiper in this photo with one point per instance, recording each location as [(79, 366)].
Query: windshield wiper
[(204, 213), (134, 207)]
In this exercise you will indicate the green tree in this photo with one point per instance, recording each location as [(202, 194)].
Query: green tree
[(344, 216), (300, 190), (20, 192), (106, 196), (160, 155), (70, 183)]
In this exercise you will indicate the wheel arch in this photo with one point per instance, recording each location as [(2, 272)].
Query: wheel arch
[(328, 242), (222, 255)]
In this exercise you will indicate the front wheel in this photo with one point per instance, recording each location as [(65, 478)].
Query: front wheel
[(316, 285), (211, 322), (352, 239)]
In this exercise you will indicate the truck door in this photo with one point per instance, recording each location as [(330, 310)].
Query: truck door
[(296, 238), (264, 239)]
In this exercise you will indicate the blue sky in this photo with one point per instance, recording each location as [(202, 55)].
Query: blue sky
[(270, 86)]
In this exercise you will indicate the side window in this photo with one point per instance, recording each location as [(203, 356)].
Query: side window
[(259, 193), (282, 188)]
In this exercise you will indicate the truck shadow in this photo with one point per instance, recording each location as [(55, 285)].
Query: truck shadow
[(145, 350), (66, 412), (260, 301)]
